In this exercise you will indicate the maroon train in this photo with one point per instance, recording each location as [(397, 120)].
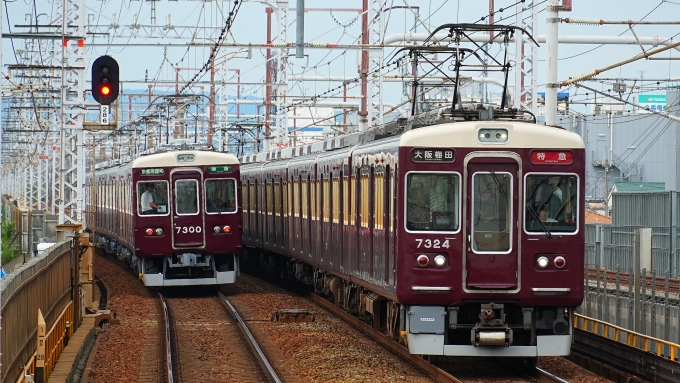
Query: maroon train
[(193, 234), (458, 238)]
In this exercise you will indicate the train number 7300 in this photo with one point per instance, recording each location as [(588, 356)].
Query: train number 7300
[(432, 243), (188, 229)]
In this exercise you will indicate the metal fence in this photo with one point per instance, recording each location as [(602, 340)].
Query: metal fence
[(610, 297), (611, 246)]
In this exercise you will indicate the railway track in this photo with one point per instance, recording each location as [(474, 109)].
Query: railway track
[(196, 326), (624, 279), (443, 375)]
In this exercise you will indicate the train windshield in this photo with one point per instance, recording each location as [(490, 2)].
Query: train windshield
[(432, 201), (220, 196), (186, 197), (153, 198), (551, 200), (491, 211)]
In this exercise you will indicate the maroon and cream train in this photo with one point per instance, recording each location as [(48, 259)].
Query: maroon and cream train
[(193, 237), (463, 238)]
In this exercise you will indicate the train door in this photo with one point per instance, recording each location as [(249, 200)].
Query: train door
[(188, 226), (492, 257), (365, 224)]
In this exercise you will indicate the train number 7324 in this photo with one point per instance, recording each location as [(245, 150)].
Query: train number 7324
[(188, 229), (432, 243)]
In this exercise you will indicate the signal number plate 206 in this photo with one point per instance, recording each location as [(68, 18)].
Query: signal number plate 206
[(432, 243), (188, 229)]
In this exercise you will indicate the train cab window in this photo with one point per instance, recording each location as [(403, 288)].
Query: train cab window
[(491, 211), (156, 192), (220, 196), (432, 201), (186, 197), (551, 203)]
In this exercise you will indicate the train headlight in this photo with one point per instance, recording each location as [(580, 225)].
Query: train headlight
[(159, 231), (440, 260), (560, 262), (492, 136), (149, 231), (216, 229), (423, 260), (226, 229), (542, 262), (501, 136)]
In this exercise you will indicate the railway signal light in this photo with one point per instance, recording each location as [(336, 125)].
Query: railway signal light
[(105, 80)]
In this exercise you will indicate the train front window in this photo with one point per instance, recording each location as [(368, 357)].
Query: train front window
[(491, 211), (432, 202), (551, 203), (186, 197), (152, 198), (220, 196)]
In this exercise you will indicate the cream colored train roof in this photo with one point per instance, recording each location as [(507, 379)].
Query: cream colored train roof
[(464, 134), (170, 159)]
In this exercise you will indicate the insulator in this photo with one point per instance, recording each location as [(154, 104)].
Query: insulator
[(580, 21)]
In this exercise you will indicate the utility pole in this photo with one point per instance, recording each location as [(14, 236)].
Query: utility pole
[(551, 21), (606, 165)]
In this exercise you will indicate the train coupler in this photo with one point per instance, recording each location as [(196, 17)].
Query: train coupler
[(491, 330)]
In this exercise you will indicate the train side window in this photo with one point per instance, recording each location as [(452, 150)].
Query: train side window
[(158, 194), (551, 203), (220, 196), (432, 202), (336, 200), (186, 197)]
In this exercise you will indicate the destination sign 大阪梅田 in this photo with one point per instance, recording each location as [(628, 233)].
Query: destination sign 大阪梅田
[(432, 155)]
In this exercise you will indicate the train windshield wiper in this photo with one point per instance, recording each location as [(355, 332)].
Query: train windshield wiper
[(214, 207)]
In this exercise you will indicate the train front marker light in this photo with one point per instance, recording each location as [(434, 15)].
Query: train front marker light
[(216, 229), (560, 262), (149, 231), (226, 229), (542, 262), (440, 261), (159, 231), (423, 260)]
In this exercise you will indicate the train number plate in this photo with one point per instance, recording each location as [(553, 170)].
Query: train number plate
[(432, 243), (188, 229)]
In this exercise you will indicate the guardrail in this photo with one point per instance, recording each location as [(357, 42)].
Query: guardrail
[(49, 346), (632, 338)]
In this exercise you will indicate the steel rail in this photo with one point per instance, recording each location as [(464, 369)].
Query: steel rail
[(269, 370), (434, 371), (545, 376), (626, 278), (168, 352)]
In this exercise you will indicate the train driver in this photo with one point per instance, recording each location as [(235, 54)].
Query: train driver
[(148, 205), (544, 213)]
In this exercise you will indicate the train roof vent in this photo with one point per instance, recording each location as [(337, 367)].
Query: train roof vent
[(338, 142), (329, 144), (317, 147), (287, 153), (261, 157)]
